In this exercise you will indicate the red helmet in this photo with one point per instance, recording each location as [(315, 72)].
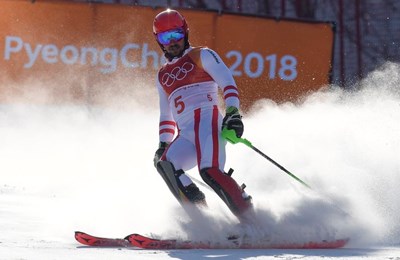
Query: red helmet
[(168, 20)]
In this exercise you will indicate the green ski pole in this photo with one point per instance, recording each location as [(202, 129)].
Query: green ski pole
[(231, 137)]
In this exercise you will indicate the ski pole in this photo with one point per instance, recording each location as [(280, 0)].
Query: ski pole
[(230, 136)]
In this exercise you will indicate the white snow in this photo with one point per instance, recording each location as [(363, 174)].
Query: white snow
[(68, 168)]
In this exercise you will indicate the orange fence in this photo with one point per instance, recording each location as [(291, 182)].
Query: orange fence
[(76, 52)]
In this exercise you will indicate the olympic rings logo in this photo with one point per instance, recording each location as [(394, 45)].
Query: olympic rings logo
[(177, 73)]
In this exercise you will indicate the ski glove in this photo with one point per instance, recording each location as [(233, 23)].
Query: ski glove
[(160, 151), (233, 120)]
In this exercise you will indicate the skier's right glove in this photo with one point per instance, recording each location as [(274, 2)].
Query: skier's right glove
[(160, 151), (233, 120)]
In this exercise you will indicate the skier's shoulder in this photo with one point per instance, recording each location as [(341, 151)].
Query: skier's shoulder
[(199, 54), (200, 49), (194, 52)]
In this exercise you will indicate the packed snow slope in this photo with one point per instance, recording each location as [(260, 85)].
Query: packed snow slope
[(67, 168)]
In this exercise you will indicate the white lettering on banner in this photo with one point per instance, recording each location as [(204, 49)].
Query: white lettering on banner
[(146, 53), (286, 69), (109, 57), (85, 52), (106, 59), (49, 53), (32, 54), (69, 54), (9, 48), (124, 51)]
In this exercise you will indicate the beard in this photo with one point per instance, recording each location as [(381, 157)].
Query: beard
[(174, 49)]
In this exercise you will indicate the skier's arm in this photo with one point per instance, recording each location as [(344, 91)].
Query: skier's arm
[(221, 74), (217, 69), (167, 123)]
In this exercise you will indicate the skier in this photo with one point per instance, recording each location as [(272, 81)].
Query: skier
[(188, 97)]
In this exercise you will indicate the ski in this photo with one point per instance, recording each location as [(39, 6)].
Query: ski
[(144, 242), (90, 240)]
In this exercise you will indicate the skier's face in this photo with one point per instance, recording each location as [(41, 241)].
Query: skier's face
[(175, 48)]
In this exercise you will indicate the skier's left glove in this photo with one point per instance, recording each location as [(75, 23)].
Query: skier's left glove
[(160, 151), (233, 120)]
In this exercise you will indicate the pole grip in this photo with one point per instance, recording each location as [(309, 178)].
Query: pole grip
[(230, 136)]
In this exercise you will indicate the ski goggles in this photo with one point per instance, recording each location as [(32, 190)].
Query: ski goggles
[(165, 38)]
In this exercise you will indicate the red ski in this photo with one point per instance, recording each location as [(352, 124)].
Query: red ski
[(151, 243), (139, 241), (90, 240)]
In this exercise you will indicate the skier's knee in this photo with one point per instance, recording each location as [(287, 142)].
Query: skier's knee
[(227, 189)]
